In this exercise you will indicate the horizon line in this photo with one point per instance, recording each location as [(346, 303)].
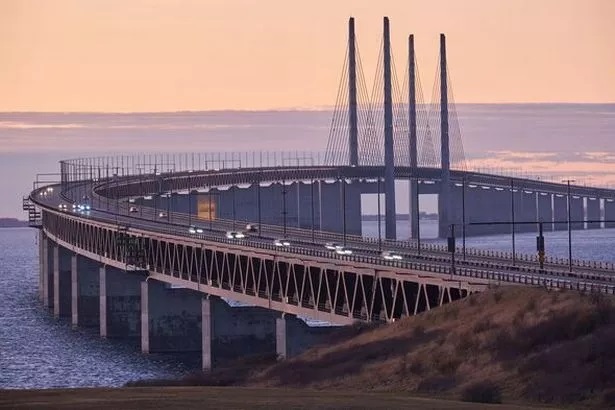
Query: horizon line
[(281, 109)]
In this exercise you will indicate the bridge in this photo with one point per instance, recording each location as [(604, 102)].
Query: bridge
[(152, 247)]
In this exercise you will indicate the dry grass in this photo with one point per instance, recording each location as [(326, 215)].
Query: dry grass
[(506, 344)]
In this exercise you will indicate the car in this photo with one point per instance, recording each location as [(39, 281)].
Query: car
[(133, 209), (235, 235), (391, 256), (333, 246), (343, 251), (162, 214), (63, 207), (281, 242), (195, 229), (252, 228)]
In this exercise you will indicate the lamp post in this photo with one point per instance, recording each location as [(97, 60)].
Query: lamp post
[(312, 203), (343, 193), (418, 220), (568, 181), (284, 205)]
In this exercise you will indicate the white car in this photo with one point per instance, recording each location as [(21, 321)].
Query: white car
[(281, 242), (343, 251), (252, 228), (162, 214), (133, 209), (63, 207), (333, 246), (391, 256), (235, 235), (195, 229)]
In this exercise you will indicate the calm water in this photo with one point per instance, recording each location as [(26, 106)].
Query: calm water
[(38, 351)]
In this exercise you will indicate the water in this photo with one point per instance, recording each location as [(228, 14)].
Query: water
[(38, 351)]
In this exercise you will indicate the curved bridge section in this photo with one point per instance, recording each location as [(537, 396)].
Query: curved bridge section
[(121, 265)]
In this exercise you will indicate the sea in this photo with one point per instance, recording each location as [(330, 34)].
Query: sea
[(552, 141)]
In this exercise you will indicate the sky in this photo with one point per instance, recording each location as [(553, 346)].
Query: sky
[(140, 56)]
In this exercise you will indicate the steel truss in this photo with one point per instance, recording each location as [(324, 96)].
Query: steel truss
[(304, 285)]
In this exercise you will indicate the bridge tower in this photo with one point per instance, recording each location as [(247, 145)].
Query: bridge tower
[(444, 202), (412, 143), (389, 156), (353, 143)]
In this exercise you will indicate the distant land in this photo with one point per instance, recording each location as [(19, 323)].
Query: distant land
[(12, 223), (402, 217)]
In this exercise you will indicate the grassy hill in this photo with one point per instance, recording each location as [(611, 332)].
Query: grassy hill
[(508, 344)]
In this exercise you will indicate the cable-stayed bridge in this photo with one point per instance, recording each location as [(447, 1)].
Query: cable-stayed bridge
[(151, 246)]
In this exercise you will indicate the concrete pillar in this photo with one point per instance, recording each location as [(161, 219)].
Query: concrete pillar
[(170, 318), (577, 212), (74, 291), (609, 213), (545, 211), (293, 336), (88, 292), (102, 297), (206, 333), (560, 212), (281, 347), (120, 303), (593, 213), (390, 213), (56, 281), (61, 282), (43, 267)]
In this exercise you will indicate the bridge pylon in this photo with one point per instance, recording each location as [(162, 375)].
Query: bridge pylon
[(353, 140), (412, 140), (389, 153), (444, 199)]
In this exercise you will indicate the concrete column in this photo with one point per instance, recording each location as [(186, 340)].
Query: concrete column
[(593, 213), (577, 212), (41, 264), (102, 297), (609, 213), (56, 281), (48, 277), (61, 282), (88, 292), (281, 348), (206, 333), (74, 291), (170, 318), (560, 212), (545, 211), (144, 317)]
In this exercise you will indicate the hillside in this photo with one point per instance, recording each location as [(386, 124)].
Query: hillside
[(517, 344)]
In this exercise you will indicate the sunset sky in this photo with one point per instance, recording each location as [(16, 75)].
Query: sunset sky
[(114, 55)]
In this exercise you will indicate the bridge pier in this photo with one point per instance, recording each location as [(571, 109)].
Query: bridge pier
[(43, 266), (61, 282), (545, 211), (293, 336), (577, 212), (593, 212), (170, 319), (84, 292), (120, 303), (560, 212)]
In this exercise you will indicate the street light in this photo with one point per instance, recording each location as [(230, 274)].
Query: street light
[(379, 222), (463, 215), (568, 181), (512, 211)]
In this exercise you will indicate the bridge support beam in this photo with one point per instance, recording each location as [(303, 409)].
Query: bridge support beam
[(61, 282), (84, 292), (170, 319), (120, 303), (593, 212)]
